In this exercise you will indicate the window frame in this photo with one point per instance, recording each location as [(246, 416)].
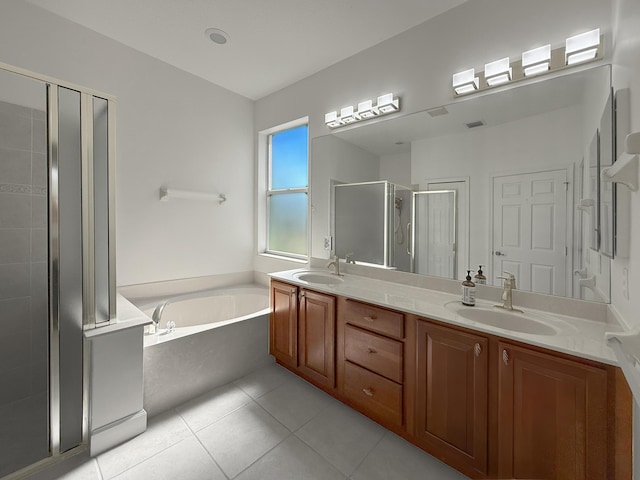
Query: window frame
[(271, 192)]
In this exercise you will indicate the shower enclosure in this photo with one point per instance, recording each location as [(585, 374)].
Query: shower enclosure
[(57, 276), (370, 223), (388, 225)]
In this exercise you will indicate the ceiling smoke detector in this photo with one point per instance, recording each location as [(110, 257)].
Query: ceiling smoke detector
[(217, 36)]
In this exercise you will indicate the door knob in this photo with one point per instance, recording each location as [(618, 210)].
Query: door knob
[(500, 254)]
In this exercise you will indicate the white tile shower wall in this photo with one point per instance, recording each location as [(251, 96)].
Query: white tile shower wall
[(23, 267), (173, 129)]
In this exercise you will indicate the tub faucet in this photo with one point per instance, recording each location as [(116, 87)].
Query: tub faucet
[(508, 286), (335, 263), (157, 314)]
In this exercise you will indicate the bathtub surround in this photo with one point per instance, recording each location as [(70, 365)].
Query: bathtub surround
[(231, 342)]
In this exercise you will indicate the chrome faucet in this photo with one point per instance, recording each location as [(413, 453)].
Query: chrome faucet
[(157, 314), (349, 258), (508, 286), (335, 263)]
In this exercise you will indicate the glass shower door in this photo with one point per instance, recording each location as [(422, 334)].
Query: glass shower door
[(24, 260)]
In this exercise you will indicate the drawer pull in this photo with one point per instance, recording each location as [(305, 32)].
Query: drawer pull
[(369, 318), (368, 392), (370, 350), (505, 357), (477, 349)]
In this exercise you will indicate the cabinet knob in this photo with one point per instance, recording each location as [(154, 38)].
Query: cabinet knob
[(369, 318), (368, 392), (477, 349), (505, 357)]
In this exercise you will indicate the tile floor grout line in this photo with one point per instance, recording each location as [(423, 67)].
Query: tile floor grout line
[(263, 393), (264, 454), (95, 460), (148, 458), (384, 434), (195, 435), (217, 420)]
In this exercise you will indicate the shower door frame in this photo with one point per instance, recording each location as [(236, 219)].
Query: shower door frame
[(88, 254)]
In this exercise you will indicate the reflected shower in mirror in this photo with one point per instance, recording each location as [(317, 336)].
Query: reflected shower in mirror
[(519, 162)]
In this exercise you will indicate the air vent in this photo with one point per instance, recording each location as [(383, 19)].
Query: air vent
[(477, 123), (436, 112)]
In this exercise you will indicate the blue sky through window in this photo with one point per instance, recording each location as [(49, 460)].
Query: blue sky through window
[(289, 158)]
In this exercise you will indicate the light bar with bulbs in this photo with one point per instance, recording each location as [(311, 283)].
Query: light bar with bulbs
[(585, 47), (536, 61), (386, 104)]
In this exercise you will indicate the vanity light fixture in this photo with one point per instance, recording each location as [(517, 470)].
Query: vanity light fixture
[(536, 61), (498, 72), (348, 115), (367, 110), (577, 50), (465, 82), (332, 120), (583, 47), (387, 103)]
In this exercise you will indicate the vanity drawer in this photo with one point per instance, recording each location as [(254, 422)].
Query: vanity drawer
[(374, 352), (373, 318), (373, 394)]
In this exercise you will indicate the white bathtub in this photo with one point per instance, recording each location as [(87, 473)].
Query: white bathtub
[(220, 336), (197, 312)]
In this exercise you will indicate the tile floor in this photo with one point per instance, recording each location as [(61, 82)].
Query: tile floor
[(267, 425)]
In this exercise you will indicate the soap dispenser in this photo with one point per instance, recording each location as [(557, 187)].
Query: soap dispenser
[(468, 291), (479, 278)]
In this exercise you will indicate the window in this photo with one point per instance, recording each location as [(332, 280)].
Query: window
[(288, 192)]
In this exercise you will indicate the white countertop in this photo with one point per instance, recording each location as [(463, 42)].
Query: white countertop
[(574, 336)]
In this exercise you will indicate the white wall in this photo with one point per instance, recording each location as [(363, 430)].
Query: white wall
[(396, 168), (172, 129), (344, 163), (418, 64)]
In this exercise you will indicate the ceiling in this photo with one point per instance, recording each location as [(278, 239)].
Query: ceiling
[(273, 43)]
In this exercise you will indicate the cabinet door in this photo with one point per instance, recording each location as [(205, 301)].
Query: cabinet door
[(451, 390), (283, 334), (316, 337), (552, 417)]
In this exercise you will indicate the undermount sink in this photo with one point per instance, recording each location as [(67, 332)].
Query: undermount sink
[(504, 319), (318, 278)]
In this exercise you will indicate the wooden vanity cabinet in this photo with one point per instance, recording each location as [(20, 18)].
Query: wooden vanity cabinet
[(552, 416), (316, 337), (370, 361), (452, 395), (283, 323), (302, 332), (489, 407)]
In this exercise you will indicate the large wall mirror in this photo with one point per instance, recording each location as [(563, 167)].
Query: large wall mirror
[(516, 169)]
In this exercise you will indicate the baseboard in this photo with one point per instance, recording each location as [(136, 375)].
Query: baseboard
[(115, 433)]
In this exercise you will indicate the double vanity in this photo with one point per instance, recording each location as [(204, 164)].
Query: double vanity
[(493, 393)]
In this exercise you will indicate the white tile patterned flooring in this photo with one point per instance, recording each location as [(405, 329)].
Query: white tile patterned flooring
[(267, 425)]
